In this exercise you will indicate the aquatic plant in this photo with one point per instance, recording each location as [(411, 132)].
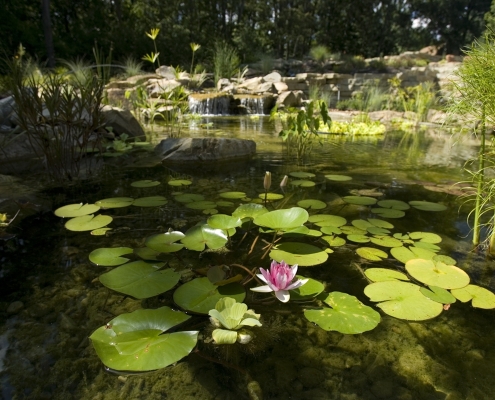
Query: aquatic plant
[(226, 61), (153, 56)]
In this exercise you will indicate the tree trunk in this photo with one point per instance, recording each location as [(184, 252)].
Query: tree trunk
[(47, 30)]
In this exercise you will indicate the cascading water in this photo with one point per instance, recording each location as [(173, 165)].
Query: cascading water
[(218, 105), (253, 105), (204, 104)]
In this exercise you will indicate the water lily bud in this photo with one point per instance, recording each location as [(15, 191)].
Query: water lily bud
[(244, 337), (284, 182), (268, 180)]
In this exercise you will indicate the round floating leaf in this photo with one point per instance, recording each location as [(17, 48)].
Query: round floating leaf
[(394, 204), (232, 195), (201, 296), (224, 221), (312, 204), (225, 203), (135, 341), (438, 294), (109, 257), (386, 241), (198, 237), (334, 241), (445, 259), (189, 197), (327, 220), (357, 238), (338, 178), (88, 222), (360, 200), (384, 274), (140, 279), (481, 297), (380, 223), (151, 201), (145, 183), (76, 210), (165, 242), (100, 231), (303, 254), (301, 174), (179, 182), (404, 254), (361, 224), (347, 315), (427, 237), (146, 253), (314, 233), (201, 205), (330, 230), (372, 254), (283, 219), (352, 230), (437, 273), (249, 211), (309, 290), (427, 206), (388, 212), (210, 211), (300, 231), (403, 300), (401, 236), (374, 230), (427, 246), (302, 183), (271, 196), (115, 202)]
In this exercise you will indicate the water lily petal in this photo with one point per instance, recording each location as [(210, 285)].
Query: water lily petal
[(265, 288), (283, 295), (262, 278), (297, 284), (294, 270)]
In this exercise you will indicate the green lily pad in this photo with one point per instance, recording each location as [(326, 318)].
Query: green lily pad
[(88, 222), (165, 242), (151, 201), (437, 273), (302, 254), (358, 238), (401, 236), (115, 202), (302, 174), (302, 183), (327, 220), (201, 296), (224, 221), (394, 204), (201, 205), (180, 182), (362, 224), (347, 315), (374, 230), (100, 231), (380, 223), (145, 183), (338, 178), (386, 241), (135, 341), (225, 203), (300, 231), (309, 290), (372, 254), (404, 254), (445, 259), (334, 241), (271, 196), (438, 294), (189, 197), (232, 195), (384, 274), (200, 236), (312, 204), (76, 210), (481, 297), (146, 253), (402, 300), (140, 279), (388, 212), (427, 246), (282, 219), (427, 237), (427, 206), (210, 211), (360, 200), (330, 230), (249, 211), (352, 230), (109, 256)]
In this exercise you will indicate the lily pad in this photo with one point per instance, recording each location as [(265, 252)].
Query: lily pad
[(76, 210), (437, 273), (427, 206), (145, 183), (201, 205), (374, 230), (309, 290), (372, 254), (427, 237), (200, 236), (100, 231), (438, 294), (135, 341), (380, 223), (481, 297), (110, 256), (302, 183), (312, 204), (165, 242), (347, 315), (385, 274), (224, 221), (302, 254), (334, 241), (271, 196), (302, 174), (232, 195), (445, 259), (404, 254), (388, 212), (386, 241), (338, 178), (189, 197), (115, 202), (360, 200), (88, 222), (282, 219), (180, 182), (151, 201), (200, 295), (402, 300), (358, 238), (146, 253), (140, 279), (352, 230), (327, 220), (330, 230), (362, 224), (427, 246), (394, 204), (249, 211)]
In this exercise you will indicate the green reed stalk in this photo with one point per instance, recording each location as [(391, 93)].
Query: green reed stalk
[(480, 177)]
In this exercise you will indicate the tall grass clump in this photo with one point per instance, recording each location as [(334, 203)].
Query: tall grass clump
[(226, 61), (419, 99)]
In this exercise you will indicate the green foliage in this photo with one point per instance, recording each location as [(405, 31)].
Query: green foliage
[(226, 61), (372, 97), (417, 99), (131, 67)]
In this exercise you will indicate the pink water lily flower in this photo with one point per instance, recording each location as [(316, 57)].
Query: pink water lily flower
[(279, 279)]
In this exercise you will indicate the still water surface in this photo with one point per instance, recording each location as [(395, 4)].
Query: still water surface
[(45, 352)]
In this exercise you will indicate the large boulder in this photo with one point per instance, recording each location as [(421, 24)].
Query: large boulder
[(204, 150), (6, 111), (122, 121)]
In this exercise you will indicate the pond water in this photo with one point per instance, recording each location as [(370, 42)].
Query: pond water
[(45, 352)]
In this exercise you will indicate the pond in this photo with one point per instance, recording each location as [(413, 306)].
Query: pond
[(52, 300)]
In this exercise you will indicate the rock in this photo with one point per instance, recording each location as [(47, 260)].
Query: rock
[(159, 86), (223, 82), (15, 307), (122, 121), (166, 72), (280, 87), (6, 109), (251, 84), (273, 77), (204, 150), (289, 99)]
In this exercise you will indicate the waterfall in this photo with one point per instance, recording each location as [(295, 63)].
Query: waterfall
[(217, 105), (253, 104)]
